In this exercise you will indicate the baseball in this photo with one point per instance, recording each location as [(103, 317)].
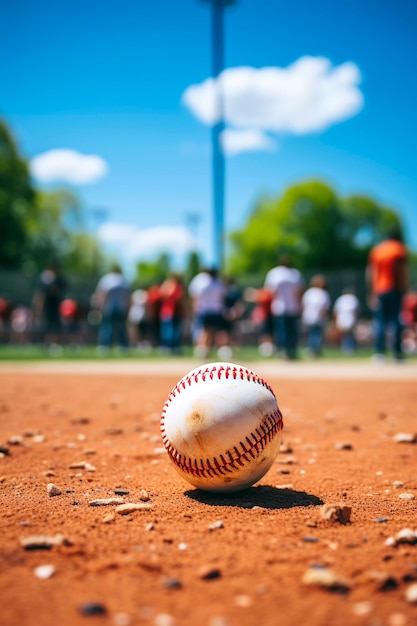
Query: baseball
[(220, 425)]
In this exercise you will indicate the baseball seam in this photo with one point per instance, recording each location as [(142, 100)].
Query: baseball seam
[(231, 460)]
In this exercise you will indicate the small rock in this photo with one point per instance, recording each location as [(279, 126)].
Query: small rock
[(336, 513), (150, 526), (5, 451), (327, 578), (209, 572), (172, 583), (243, 601), (106, 502), (44, 571), (343, 446), (411, 593), (362, 608), (216, 525), (144, 495), (114, 430), (384, 581), (53, 490), (406, 535), (406, 496), (78, 465), (405, 438), (164, 619), (15, 440), (398, 484), (130, 507), (121, 492), (109, 518), (44, 542), (381, 520), (93, 608)]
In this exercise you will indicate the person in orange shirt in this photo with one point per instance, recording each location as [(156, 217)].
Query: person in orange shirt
[(387, 279)]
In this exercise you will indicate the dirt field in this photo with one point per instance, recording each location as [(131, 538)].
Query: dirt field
[(263, 557)]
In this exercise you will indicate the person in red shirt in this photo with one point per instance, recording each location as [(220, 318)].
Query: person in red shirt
[(171, 313), (387, 278)]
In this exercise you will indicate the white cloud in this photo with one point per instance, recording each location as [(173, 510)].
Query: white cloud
[(68, 166), (132, 244), (234, 141), (308, 96)]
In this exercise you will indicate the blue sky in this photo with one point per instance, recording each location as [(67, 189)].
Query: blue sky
[(121, 91)]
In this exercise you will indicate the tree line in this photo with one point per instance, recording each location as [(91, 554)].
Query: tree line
[(310, 220)]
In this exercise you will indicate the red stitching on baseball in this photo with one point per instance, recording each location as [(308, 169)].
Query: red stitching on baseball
[(271, 425)]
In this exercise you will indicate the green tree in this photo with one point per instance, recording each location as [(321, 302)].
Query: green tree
[(16, 202), (319, 229), (149, 273)]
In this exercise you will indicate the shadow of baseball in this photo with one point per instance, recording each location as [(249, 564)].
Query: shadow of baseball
[(263, 496)]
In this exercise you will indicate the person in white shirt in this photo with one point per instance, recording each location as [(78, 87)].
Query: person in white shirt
[(286, 286), (207, 293), (345, 313), (112, 298), (316, 306)]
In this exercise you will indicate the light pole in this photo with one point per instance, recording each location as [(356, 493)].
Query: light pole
[(218, 162)]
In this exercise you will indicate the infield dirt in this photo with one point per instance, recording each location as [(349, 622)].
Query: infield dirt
[(262, 557)]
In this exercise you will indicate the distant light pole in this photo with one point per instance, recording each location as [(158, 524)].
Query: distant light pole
[(218, 163)]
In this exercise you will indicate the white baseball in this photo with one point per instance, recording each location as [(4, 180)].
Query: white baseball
[(220, 425)]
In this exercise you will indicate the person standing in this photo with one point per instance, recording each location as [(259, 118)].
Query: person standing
[(208, 293), (315, 306), (172, 313), (286, 286), (49, 294), (112, 298), (387, 280), (345, 313)]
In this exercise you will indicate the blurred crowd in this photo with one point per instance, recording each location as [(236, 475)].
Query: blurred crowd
[(212, 314)]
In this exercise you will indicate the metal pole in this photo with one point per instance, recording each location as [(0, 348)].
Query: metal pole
[(218, 162)]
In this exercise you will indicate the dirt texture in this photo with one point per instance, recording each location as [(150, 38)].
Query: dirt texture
[(271, 555)]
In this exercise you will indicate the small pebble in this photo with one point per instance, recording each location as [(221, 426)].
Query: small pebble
[(243, 601), (336, 513), (343, 446), (109, 518), (131, 507), (405, 438), (44, 571), (362, 608), (381, 520), (208, 572), (144, 495), (324, 577), (411, 593), (53, 490), (106, 502), (44, 542), (216, 525), (172, 583), (406, 496), (93, 608), (121, 492)]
